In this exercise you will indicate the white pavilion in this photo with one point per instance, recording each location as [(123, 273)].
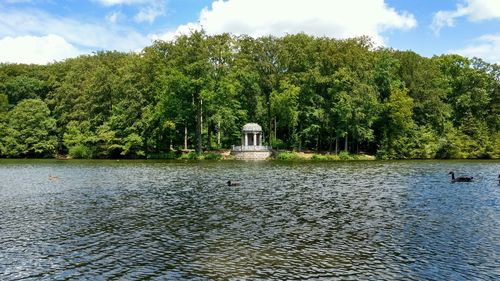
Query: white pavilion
[(251, 144)]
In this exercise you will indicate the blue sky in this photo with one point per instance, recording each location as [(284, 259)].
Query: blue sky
[(41, 31)]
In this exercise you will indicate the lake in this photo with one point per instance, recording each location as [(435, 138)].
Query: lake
[(153, 220)]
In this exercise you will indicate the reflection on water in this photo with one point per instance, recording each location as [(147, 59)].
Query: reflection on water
[(174, 220)]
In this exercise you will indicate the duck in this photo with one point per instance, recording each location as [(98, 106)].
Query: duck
[(53, 178), (230, 183), (459, 179)]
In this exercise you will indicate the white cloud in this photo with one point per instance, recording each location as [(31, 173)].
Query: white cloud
[(483, 9), (446, 18), (184, 29), (113, 17), (81, 34), (486, 47), (475, 10), (34, 49), (151, 12), (332, 18)]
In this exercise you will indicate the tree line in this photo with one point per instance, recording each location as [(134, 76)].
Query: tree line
[(308, 93)]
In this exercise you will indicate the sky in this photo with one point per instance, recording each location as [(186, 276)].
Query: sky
[(45, 31)]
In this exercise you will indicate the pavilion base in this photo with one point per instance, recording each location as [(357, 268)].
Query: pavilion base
[(251, 155)]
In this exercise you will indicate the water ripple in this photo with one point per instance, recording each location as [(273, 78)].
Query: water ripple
[(172, 220)]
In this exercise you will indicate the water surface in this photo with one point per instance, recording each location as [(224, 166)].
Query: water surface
[(105, 220)]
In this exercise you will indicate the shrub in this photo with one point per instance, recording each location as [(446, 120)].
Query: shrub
[(194, 156), (80, 152), (213, 156), (288, 156), (344, 155), (328, 157), (319, 157)]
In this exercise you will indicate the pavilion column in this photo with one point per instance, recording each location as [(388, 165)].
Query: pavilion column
[(246, 139), (260, 139), (254, 139)]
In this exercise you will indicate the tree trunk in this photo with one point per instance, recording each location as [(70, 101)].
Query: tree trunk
[(330, 142), (268, 100), (275, 134), (318, 141), (170, 142), (270, 130), (199, 120), (300, 136), (185, 136), (209, 137), (336, 144), (346, 148), (218, 134)]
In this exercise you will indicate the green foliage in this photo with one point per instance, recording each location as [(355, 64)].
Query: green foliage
[(325, 157), (344, 155), (23, 87), (284, 106), (164, 155), (307, 93), (458, 145), (494, 150), (132, 145), (398, 125), (4, 106), (212, 156), (193, 155), (288, 156), (424, 143), (4, 103), (80, 152), (29, 130), (278, 144), (79, 134)]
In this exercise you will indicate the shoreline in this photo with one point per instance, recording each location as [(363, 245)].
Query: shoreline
[(278, 157)]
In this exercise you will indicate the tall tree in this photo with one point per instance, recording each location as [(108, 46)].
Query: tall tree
[(29, 130)]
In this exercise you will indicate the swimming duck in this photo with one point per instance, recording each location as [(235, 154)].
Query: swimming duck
[(459, 179), (53, 178), (229, 183)]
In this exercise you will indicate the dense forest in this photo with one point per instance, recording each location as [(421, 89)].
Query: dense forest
[(308, 93)]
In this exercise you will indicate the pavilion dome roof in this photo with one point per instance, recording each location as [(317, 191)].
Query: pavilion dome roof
[(252, 127)]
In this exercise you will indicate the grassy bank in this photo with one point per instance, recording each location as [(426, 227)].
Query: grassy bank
[(281, 156), (342, 156), (177, 155)]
